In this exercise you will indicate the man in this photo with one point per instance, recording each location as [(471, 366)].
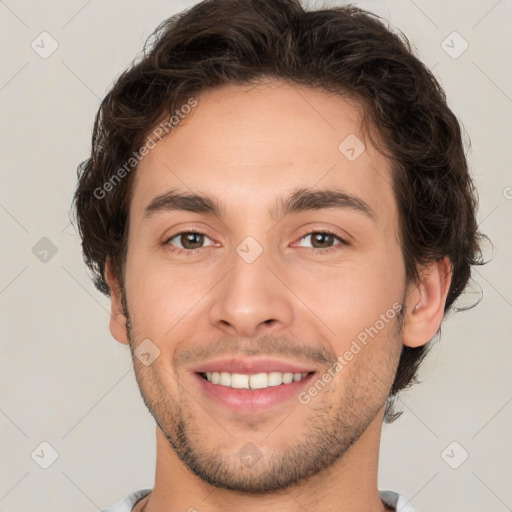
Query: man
[(278, 205)]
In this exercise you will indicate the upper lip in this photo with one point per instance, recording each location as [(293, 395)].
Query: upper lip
[(251, 366)]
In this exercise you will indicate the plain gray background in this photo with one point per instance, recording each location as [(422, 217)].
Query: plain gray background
[(66, 382)]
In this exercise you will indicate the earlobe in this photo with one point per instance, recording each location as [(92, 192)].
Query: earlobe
[(118, 320), (425, 303)]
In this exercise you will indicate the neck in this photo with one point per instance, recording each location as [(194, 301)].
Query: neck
[(350, 484)]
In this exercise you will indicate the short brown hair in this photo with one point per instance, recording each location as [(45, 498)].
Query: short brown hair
[(344, 50)]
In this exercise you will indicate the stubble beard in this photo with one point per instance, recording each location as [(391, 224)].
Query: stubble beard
[(324, 439)]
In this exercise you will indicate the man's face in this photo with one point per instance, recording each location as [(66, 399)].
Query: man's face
[(260, 284)]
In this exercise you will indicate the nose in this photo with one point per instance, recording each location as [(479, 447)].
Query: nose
[(252, 299)]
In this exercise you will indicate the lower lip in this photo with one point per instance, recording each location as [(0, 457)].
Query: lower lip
[(252, 400)]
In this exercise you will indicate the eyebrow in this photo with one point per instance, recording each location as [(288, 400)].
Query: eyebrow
[(299, 201)]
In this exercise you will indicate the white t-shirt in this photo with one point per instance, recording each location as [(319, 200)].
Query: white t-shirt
[(390, 498)]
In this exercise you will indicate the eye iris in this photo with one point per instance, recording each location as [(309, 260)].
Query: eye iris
[(324, 239), (194, 239)]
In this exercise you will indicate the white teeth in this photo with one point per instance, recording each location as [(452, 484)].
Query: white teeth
[(254, 381), (275, 378), (287, 378), (225, 379), (258, 381), (239, 381)]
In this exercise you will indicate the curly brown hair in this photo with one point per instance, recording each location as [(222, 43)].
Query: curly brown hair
[(344, 50)]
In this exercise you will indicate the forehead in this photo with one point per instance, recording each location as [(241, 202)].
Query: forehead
[(251, 144)]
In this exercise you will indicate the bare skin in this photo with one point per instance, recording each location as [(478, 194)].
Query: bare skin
[(304, 300)]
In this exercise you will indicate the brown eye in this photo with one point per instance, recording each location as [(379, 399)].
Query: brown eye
[(191, 240), (187, 240), (321, 240)]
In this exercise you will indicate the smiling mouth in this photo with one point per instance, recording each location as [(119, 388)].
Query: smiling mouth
[(253, 381)]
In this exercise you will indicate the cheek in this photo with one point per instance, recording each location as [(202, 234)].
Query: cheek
[(162, 297), (356, 297)]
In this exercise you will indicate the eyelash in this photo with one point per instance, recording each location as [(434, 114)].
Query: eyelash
[(177, 250)]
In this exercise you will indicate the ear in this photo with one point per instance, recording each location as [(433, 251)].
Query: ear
[(425, 303), (118, 319)]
